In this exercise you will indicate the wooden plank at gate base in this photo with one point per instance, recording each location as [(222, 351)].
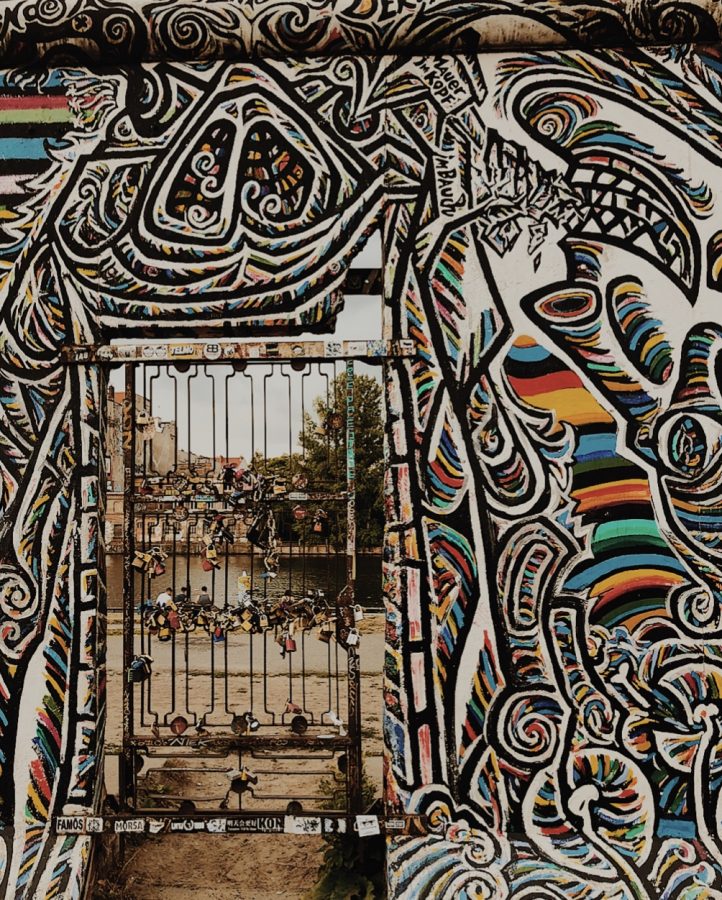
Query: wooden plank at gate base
[(250, 351)]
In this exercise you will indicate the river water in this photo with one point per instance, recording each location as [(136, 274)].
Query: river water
[(295, 574)]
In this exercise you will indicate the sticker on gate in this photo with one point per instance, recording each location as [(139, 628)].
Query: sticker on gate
[(302, 825), (70, 824), (130, 826)]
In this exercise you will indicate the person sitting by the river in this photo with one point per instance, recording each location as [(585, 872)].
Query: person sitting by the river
[(164, 598), (229, 474), (183, 596), (204, 598)]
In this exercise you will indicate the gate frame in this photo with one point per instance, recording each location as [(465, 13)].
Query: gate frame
[(133, 356)]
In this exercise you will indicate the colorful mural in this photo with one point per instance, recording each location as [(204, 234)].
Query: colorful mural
[(552, 241), (553, 678), (122, 31)]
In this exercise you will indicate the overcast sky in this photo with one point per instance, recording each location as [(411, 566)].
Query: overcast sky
[(242, 397)]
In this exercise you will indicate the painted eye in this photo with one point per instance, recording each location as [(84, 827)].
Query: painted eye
[(688, 443)]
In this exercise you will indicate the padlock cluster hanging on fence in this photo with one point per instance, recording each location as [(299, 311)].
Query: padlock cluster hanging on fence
[(150, 562), (216, 537), (247, 492), (262, 534), (239, 485), (286, 615)]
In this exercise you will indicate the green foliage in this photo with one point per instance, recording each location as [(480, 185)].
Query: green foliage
[(323, 460), (353, 868), (113, 877), (324, 440)]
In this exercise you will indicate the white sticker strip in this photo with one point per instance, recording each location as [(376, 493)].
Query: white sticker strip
[(302, 825), (367, 826)]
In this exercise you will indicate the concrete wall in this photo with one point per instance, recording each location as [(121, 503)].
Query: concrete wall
[(553, 236)]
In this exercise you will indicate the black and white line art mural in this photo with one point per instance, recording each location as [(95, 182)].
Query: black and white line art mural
[(552, 246)]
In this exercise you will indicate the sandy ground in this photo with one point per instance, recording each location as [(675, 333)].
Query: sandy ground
[(242, 867)]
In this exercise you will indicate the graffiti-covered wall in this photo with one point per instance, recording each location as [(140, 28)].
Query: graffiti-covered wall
[(554, 672), (552, 232)]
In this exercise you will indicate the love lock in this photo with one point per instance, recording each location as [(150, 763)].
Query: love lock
[(178, 725), (337, 721), (239, 725), (210, 561), (353, 638), (320, 517), (292, 707), (180, 513), (253, 723), (245, 723), (164, 629), (270, 562), (358, 613), (289, 643), (242, 780), (142, 562), (325, 632), (247, 619), (140, 669), (299, 724)]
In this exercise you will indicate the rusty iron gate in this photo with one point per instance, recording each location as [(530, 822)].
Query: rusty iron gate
[(241, 691)]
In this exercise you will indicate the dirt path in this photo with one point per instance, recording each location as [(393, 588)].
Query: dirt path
[(243, 867), (238, 867)]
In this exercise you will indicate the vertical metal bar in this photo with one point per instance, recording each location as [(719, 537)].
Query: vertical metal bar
[(251, 461), (355, 761), (101, 630), (288, 482), (186, 648), (303, 674), (324, 486), (265, 418), (126, 767), (303, 540)]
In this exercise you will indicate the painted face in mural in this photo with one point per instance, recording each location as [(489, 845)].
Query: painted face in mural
[(567, 410), (633, 314)]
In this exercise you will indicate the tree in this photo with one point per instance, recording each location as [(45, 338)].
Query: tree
[(323, 442), (322, 461)]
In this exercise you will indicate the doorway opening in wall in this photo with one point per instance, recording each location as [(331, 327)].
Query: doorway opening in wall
[(241, 612)]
